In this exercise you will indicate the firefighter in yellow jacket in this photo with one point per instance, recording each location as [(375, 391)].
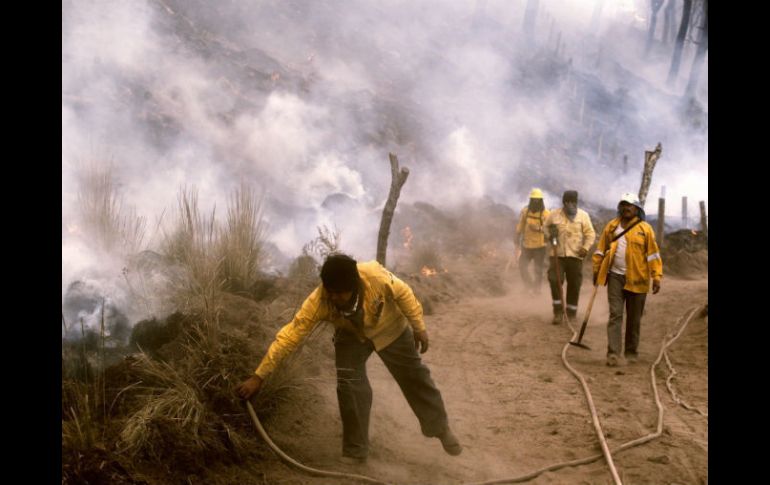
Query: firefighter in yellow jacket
[(626, 259), (572, 229), (373, 311), (531, 238)]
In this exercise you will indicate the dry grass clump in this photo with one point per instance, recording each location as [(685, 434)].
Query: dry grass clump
[(107, 221), (242, 240), (173, 404), (328, 242)]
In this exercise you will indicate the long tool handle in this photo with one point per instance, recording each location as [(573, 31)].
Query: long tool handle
[(588, 314)]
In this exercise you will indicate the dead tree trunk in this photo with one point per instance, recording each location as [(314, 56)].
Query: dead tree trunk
[(397, 181), (668, 21), (530, 18), (661, 220), (650, 159), (703, 221), (700, 54), (673, 72), (655, 5), (625, 163)]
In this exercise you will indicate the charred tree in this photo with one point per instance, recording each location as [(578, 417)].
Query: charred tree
[(655, 5), (668, 21), (700, 54), (530, 17), (650, 159), (704, 226), (398, 178), (673, 72)]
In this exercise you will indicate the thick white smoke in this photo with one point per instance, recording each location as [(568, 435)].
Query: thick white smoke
[(304, 100)]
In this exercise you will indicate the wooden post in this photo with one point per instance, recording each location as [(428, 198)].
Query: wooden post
[(703, 221), (398, 178), (650, 159), (601, 139), (661, 220), (685, 224), (614, 150), (625, 163)]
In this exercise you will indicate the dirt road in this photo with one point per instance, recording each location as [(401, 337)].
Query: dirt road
[(514, 405)]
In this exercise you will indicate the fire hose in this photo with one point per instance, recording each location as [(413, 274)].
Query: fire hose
[(606, 451)]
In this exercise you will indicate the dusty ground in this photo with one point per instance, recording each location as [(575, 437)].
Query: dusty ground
[(512, 403)]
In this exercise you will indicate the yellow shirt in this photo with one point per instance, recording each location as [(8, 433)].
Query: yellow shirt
[(642, 256), (389, 304), (573, 234), (531, 225)]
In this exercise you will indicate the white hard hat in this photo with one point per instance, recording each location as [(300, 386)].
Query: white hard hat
[(632, 199)]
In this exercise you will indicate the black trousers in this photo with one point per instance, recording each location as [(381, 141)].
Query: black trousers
[(634, 304), (354, 394), (538, 256), (572, 271)]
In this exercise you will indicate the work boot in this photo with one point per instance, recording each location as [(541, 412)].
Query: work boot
[(612, 360), (353, 460), (632, 357), (572, 317), (450, 442), (557, 319)]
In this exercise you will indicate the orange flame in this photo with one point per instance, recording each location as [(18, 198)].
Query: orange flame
[(407, 233), (429, 271)]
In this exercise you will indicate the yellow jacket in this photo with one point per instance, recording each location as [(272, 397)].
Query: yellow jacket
[(531, 225), (642, 256), (573, 235), (388, 304)]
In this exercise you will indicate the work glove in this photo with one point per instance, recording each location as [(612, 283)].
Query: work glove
[(655, 286), (582, 252), (553, 231), (249, 387), (421, 338)]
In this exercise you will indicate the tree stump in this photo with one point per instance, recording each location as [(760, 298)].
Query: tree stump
[(398, 178)]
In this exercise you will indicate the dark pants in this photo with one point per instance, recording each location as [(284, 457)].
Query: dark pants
[(354, 394), (538, 256), (572, 268), (634, 303)]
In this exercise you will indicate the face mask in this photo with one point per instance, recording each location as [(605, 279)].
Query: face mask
[(351, 306)]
